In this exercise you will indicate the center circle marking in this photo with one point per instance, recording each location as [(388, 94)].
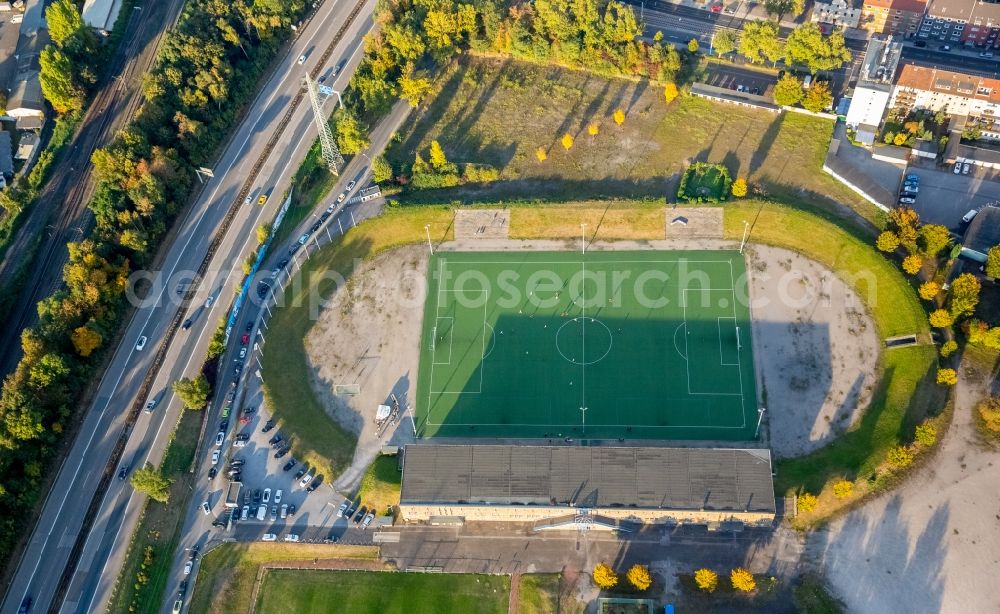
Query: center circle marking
[(583, 340)]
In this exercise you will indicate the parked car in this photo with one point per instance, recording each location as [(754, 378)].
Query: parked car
[(205, 507), (291, 509), (301, 472), (256, 496), (343, 508), (237, 462), (212, 472), (361, 514), (245, 512), (305, 480), (911, 178), (350, 510), (291, 463), (911, 188), (968, 216), (966, 167), (284, 511), (188, 567), (906, 200), (274, 513), (291, 537), (266, 498), (986, 54), (215, 457), (277, 496), (945, 47), (282, 452), (315, 484), (269, 537), (920, 44), (268, 425), (219, 438), (274, 441), (958, 168), (367, 521)]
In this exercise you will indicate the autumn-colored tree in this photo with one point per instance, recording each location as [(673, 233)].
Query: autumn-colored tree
[(567, 141), (263, 233), (989, 414), (947, 377), (948, 348), (86, 340), (929, 289), (436, 156), (739, 188), (593, 129), (888, 241), (843, 489), (619, 117), (541, 155), (742, 580), (899, 457), (900, 139), (639, 577), (693, 45), (912, 264), (706, 579), (670, 92), (605, 577), (925, 435), (964, 295), (932, 238), (806, 502), (940, 318), (993, 262)]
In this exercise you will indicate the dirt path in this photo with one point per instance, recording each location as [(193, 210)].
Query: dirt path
[(932, 545), (515, 589)]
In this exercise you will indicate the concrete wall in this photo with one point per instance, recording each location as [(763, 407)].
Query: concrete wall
[(533, 513)]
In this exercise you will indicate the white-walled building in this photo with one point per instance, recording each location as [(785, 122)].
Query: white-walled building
[(845, 13), (874, 89)]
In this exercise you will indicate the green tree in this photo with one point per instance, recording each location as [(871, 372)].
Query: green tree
[(788, 91), (193, 393), (926, 435), (725, 42), (413, 87), (56, 78), (818, 97), (779, 8), (759, 42), (351, 134), (806, 45), (149, 481), (972, 133), (993, 262), (932, 238), (263, 233), (63, 20), (964, 295), (381, 170)]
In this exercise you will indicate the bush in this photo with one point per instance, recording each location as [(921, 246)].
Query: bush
[(887, 242), (639, 577), (929, 290), (947, 377), (926, 435), (912, 264), (948, 348), (843, 489), (605, 577), (707, 580), (742, 580), (807, 502), (940, 318), (988, 414), (900, 457), (740, 188)]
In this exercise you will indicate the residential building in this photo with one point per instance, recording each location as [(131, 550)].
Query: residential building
[(101, 14), (896, 17), (957, 94), (845, 13), (962, 22), (25, 102), (982, 234), (874, 88)]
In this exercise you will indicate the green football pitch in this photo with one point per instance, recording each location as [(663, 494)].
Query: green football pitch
[(651, 345)]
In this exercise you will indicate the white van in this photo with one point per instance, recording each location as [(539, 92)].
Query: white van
[(968, 216), (807, 82), (269, 537), (261, 512), (291, 537)]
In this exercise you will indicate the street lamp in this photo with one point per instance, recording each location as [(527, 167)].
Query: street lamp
[(430, 246), (583, 238), (746, 231)]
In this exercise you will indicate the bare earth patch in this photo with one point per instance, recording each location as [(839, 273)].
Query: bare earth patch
[(694, 223), (482, 223), (815, 346), (369, 335)]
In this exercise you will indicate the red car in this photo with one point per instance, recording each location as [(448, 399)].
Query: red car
[(716, 8), (245, 339)]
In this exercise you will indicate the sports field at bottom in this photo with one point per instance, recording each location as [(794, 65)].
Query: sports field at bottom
[(642, 344), (359, 592)]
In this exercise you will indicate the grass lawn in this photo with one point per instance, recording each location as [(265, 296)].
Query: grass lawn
[(545, 593), (380, 486), (811, 597), (227, 573), (361, 592), (499, 112), (311, 183), (160, 526)]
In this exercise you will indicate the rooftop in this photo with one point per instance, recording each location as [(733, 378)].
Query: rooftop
[(964, 10), (881, 60), (913, 6), (984, 230), (659, 478), (949, 82)]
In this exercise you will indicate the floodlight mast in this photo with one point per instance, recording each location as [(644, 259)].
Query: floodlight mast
[(331, 155)]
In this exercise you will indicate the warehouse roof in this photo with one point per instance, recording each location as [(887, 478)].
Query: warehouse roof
[(658, 478)]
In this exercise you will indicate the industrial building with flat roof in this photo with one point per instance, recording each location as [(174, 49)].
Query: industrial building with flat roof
[(509, 483)]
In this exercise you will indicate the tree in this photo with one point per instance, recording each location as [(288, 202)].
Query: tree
[(351, 134), (639, 577), (932, 238), (742, 580), (593, 129), (964, 295), (381, 170), (887, 241), (193, 392), (904, 221), (993, 262), (693, 45), (948, 348), (739, 188), (413, 87), (541, 155), (989, 414), (670, 92), (788, 91), (925, 435), (972, 133), (900, 139), (605, 577), (912, 264), (619, 117), (706, 579), (806, 45), (929, 290), (56, 78), (806, 502), (759, 42), (725, 42), (940, 318), (947, 377), (149, 481), (899, 457), (63, 20), (843, 489), (818, 97), (567, 141), (86, 340), (436, 157)]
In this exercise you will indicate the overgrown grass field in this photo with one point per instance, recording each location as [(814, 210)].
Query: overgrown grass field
[(381, 484)]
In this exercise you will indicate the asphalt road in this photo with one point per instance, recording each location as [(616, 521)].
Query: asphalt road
[(60, 212), (59, 524)]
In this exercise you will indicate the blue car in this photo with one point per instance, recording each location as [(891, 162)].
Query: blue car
[(912, 178)]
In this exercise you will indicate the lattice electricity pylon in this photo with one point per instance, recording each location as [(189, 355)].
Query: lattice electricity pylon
[(331, 155)]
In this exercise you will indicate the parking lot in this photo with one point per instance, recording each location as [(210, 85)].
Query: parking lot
[(731, 77), (945, 197)]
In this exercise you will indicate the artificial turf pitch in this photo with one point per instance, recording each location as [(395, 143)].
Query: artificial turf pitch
[(600, 345)]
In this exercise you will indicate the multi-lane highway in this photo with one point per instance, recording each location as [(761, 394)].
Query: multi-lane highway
[(95, 569)]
